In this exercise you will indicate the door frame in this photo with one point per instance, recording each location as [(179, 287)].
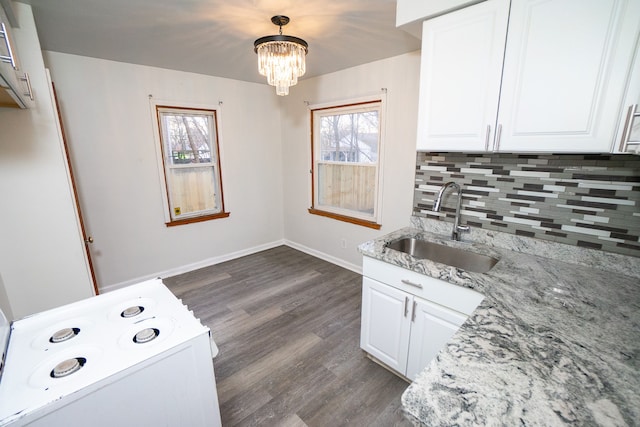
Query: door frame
[(87, 240)]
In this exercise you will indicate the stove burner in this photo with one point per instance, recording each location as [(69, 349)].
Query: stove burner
[(132, 311), (146, 335), (64, 335), (68, 367)]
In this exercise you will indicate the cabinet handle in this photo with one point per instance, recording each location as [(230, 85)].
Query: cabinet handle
[(406, 306), (627, 126), (413, 311), (486, 138), (5, 58), (410, 283), (29, 91), (496, 146)]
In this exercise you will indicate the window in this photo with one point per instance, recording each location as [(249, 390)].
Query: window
[(346, 142), (190, 163)]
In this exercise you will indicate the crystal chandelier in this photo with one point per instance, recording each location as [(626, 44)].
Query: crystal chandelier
[(281, 58)]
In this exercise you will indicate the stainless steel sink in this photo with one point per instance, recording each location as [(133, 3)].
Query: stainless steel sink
[(455, 257)]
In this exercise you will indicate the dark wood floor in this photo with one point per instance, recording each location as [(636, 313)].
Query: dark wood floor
[(287, 325)]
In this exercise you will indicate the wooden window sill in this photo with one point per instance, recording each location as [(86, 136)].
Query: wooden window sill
[(349, 219), (197, 219)]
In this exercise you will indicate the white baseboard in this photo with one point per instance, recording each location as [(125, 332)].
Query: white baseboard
[(194, 266), (329, 258), (228, 257)]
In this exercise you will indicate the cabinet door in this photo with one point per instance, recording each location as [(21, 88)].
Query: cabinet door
[(565, 69), (386, 323), (433, 326), (461, 65)]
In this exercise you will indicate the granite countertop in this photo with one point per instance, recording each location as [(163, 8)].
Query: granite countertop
[(552, 343)]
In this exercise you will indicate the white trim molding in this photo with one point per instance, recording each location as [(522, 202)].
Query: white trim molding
[(231, 256), (326, 257), (194, 266)]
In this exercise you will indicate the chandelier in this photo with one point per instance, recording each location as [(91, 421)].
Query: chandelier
[(281, 58)]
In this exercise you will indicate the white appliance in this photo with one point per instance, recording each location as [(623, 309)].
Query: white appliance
[(134, 356)]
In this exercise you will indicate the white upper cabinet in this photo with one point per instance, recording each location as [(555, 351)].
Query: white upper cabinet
[(563, 76), (461, 65), (15, 87), (565, 71)]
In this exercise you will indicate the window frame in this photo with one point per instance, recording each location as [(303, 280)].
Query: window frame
[(371, 221), (157, 107)]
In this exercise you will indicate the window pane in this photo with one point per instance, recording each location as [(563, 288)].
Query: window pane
[(187, 138), (346, 143), (351, 137), (192, 190), (345, 186), (191, 164)]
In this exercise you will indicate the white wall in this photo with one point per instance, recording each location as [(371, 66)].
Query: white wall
[(320, 235), (106, 113), (266, 155), (41, 250)]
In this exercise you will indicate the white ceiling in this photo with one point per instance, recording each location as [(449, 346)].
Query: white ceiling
[(215, 37)]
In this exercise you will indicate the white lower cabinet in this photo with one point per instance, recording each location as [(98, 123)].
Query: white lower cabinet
[(401, 330), (385, 324), (432, 327)]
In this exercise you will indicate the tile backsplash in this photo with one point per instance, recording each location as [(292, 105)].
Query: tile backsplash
[(587, 200)]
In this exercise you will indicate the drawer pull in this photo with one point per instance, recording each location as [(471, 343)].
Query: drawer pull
[(29, 91), (410, 283), (631, 112), (496, 146), (486, 138)]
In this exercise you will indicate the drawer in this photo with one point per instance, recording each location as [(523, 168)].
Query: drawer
[(458, 298)]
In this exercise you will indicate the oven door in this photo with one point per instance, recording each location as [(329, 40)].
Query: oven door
[(175, 388)]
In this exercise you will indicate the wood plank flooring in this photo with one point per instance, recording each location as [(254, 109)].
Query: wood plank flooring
[(288, 328)]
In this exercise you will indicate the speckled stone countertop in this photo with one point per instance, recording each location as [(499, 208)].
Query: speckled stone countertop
[(552, 343)]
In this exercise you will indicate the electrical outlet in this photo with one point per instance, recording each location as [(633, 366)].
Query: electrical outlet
[(343, 243)]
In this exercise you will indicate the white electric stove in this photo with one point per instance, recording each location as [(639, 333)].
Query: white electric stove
[(134, 356)]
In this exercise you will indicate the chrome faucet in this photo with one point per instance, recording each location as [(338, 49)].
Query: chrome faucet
[(457, 227)]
